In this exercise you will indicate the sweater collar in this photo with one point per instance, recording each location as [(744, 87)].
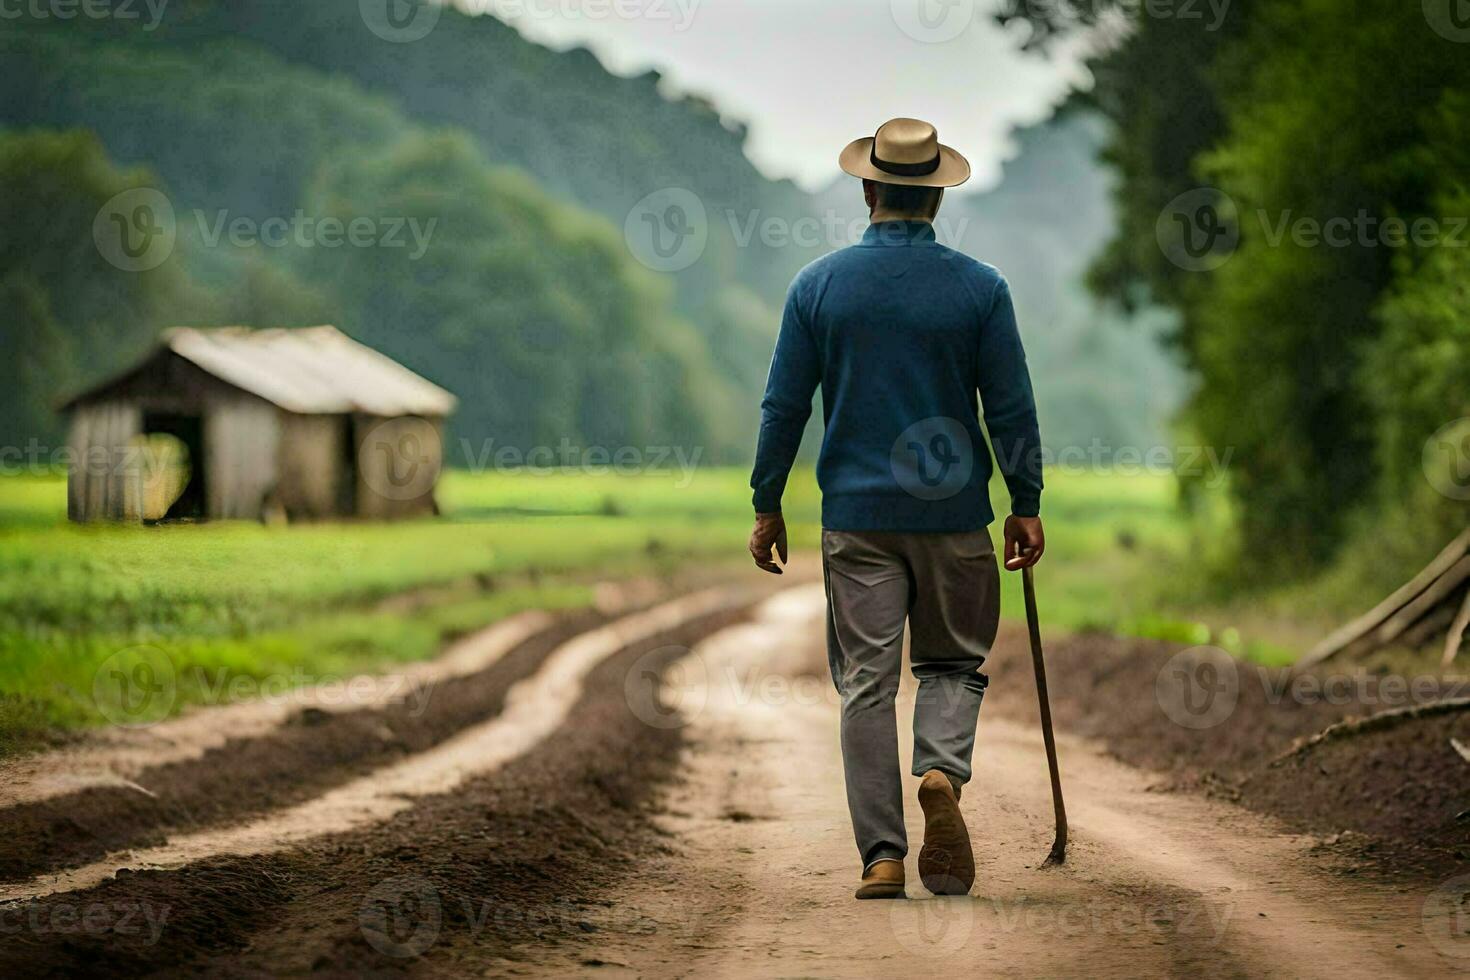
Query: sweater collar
[(898, 233)]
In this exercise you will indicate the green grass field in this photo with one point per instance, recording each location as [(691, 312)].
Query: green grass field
[(241, 600)]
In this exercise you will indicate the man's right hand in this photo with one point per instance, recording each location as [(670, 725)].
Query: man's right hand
[(1025, 541), (769, 532)]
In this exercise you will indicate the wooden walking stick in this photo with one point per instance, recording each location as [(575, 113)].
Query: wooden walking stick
[(1059, 846)]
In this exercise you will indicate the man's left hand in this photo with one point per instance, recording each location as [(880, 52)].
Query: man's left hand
[(1025, 541), (769, 532)]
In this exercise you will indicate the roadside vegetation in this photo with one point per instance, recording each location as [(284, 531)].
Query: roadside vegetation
[(236, 600), (1332, 364)]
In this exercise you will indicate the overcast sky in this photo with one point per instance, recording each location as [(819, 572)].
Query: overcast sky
[(810, 75)]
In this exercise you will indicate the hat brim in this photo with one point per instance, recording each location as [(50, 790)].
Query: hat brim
[(856, 159)]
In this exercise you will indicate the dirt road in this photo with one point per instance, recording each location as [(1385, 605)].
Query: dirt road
[(549, 805), (1156, 884)]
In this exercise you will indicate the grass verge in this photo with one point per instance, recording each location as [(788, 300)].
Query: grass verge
[(87, 612)]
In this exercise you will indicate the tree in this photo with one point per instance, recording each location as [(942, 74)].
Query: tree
[(71, 312), (1330, 111), (533, 306)]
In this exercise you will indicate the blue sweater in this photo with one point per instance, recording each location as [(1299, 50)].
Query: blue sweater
[(901, 333)]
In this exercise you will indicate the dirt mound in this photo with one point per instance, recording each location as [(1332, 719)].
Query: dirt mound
[(1402, 781), (1402, 787)]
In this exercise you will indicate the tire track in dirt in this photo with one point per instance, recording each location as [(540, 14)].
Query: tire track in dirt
[(534, 707), (266, 755), (549, 831), (132, 787), (1155, 883), (574, 853), (118, 756)]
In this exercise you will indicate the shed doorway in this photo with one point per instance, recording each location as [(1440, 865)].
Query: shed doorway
[(189, 505), (347, 474)]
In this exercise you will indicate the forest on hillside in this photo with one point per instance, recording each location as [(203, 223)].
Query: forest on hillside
[(525, 300), (1322, 308), (517, 167)]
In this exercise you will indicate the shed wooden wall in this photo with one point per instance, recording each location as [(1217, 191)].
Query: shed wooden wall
[(242, 437), (106, 480), (314, 472), (398, 465)]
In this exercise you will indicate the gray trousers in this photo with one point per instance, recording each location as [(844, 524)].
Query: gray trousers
[(947, 586)]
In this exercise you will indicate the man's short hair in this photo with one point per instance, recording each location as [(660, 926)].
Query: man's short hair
[(907, 198)]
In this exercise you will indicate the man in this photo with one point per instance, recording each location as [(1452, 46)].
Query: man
[(902, 333)]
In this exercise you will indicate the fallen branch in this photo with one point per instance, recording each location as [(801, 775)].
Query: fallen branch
[(1429, 627), (1439, 590), (1372, 723), (1358, 632), (1456, 634), (1461, 748)]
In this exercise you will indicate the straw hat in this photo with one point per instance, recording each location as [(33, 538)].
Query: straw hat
[(905, 151)]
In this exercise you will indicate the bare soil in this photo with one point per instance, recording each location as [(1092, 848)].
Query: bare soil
[(1396, 798), (312, 752), (549, 833), (702, 831), (1155, 884)]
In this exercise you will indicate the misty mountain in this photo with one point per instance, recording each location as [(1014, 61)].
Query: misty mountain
[(532, 298)]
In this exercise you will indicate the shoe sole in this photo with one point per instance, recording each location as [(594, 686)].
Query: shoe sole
[(946, 862), (885, 890)]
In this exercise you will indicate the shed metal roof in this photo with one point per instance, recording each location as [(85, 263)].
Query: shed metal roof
[(309, 370)]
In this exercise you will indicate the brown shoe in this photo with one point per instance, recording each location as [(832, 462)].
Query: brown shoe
[(946, 862), (884, 879)]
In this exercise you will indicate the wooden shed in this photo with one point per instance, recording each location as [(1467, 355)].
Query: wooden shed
[(297, 423)]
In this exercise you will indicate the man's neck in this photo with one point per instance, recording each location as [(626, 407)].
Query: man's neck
[(878, 215)]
